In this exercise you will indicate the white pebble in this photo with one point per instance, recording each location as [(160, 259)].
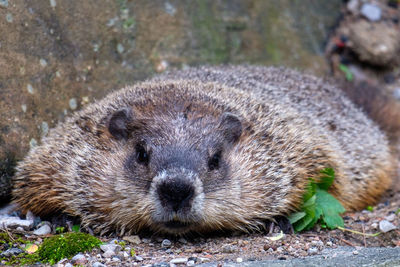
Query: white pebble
[(239, 260), (43, 230), (29, 87), (43, 62), (371, 12), (179, 261), (73, 104), (53, 3), (391, 217), (386, 226)]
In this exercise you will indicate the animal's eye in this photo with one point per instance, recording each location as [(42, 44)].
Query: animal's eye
[(214, 161), (142, 156)]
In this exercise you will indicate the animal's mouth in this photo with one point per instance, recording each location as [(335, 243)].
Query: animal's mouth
[(176, 225)]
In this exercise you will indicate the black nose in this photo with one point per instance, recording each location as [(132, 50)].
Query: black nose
[(176, 194)]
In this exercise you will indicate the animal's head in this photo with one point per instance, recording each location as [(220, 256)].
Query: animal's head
[(179, 163)]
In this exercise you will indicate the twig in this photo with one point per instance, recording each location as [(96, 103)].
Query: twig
[(347, 242), (358, 233), (363, 230)]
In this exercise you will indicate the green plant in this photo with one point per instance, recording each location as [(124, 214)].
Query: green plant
[(318, 205), (66, 245)]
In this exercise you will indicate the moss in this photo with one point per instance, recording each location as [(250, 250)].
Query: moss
[(210, 33), (66, 245), (53, 248)]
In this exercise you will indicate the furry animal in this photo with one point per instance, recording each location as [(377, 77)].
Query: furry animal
[(204, 149)]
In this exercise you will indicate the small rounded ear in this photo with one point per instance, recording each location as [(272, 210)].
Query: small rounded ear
[(118, 123), (231, 127)]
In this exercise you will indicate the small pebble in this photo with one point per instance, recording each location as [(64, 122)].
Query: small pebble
[(45, 128), (228, 248), (391, 217), (29, 87), (329, 243), (134, 239), (386, 226), (43, 62), (4, 3), (14, 222), (33, 143), (79, 259), (73, 104), (371, 12), (352, 6), (120, 48), (169, 8), (312, 250), (9, 17), (396, 93), (138, 258), (374, 225), (109, 254), (11, 252), (190, 263), (98, 264), (239, 260), (43, 230), (24, 108), (355, 252), (179, 261), (68, 265), (166, 243), (53, 3), (116, 259)]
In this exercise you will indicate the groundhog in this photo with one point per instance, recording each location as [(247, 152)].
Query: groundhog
[(205, 149)]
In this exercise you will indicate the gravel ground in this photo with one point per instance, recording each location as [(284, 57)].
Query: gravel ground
[(237, 248)]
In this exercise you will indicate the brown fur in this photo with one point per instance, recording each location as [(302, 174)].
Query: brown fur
[(289, 126)]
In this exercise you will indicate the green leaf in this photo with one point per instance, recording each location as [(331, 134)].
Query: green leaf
[(318, 205), (327, 177), (294, 217), (331, 208), (76, 228), (310, 190), (303, 223)]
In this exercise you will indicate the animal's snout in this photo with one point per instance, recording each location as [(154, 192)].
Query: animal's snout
[(176, 194)]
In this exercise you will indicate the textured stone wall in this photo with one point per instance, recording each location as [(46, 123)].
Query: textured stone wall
[(57, 56)]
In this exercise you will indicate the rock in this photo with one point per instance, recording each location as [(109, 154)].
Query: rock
[(312, 251), (371, 12), (239, 260), (190, 263), (11, 252), (68, 265), (109, 254), (179, 261), (79, 259), (111, 247), (14, 222), (228, 248), (134, 239), (352, 6), (98, 264), (386, 226), (375, 43), (43, 230), (166, 243), (138, 258), (391, 217), (396, 93)]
